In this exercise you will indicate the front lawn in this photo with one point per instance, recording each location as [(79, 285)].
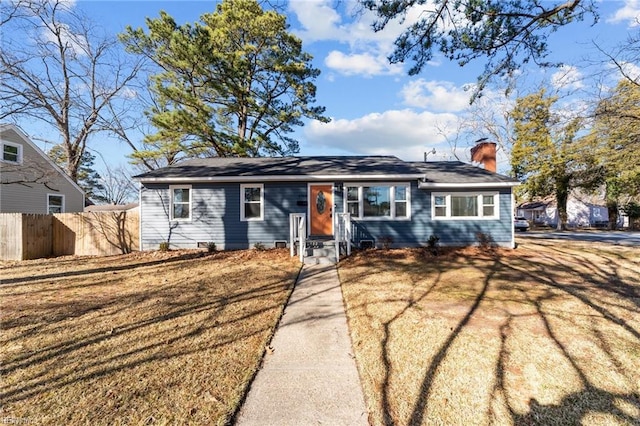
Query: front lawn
[(548, 333), (145, 338)]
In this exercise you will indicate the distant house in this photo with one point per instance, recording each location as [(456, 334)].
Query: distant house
[(29, 181), (373, 200), (582, 211)]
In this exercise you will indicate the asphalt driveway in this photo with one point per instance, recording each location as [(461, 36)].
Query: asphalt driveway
[(612, 237)]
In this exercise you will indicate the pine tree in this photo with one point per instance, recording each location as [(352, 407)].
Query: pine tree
[(236, 83), (547, 155)]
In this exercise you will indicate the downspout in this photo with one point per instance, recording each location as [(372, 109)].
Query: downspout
[(140, 247)]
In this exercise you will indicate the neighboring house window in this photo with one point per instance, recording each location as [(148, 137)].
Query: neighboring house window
[(465, 206), (379, 201), (55, 203), (180, 202), (251, 202), (11, 153)]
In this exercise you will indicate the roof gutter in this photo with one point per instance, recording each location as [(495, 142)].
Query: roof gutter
[(274, 178), (439, 185)]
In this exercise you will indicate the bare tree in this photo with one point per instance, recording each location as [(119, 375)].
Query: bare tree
[(56, 67), (116, 186), (624, 59)]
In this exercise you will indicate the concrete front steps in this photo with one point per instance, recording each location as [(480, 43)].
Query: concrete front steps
[(320, 252)]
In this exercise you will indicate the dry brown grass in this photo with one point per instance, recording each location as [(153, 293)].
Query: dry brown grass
[(545, 334), (146, 338)]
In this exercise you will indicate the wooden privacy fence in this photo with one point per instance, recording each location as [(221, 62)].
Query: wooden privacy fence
[(33, 236)]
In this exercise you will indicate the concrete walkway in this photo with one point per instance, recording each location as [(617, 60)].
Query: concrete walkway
[(311, 377)]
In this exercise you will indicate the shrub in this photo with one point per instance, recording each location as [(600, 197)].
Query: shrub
[(211, 247), (164, 246), (259, 246), (433, 244), (485, 241)]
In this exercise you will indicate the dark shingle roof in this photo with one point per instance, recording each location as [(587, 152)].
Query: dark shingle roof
[(321, 167), (283, 166), (457, 172)]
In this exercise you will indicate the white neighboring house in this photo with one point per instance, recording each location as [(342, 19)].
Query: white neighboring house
[(582, 211), (29, 181)]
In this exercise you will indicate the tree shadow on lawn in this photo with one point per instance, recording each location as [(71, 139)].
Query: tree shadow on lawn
[(582, 313), (118, 266), (86, 346)]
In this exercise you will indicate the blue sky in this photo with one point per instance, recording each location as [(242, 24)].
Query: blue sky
[(376, 108)]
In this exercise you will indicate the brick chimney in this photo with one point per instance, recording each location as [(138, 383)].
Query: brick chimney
[(485, 153)]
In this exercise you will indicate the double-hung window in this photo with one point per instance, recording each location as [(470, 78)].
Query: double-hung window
[(55, 203), (180, 202), (465, 205), (378, 201), (11, 153), (251, 202)]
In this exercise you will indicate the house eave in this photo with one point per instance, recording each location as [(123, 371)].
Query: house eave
[(276, 178)]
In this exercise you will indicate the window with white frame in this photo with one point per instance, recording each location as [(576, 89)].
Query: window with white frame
[(465, 205), (11, 152), (251, 202), (440, 206), (55, 203), (180, 202), (378, 201)]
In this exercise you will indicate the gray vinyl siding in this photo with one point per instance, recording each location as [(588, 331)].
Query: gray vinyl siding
[(33, 197), (215, 217)]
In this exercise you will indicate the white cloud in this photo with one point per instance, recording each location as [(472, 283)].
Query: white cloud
[(128, 93), (436, 95), (631, 70), (404, 133), (76, 42), (319, 20), (69, 4), (567, 77), (366, 51), (360, 64), (630, 12)]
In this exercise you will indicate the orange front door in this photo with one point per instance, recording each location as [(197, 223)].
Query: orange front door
[(321, 210)]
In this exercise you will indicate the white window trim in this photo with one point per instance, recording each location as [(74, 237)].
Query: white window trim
[(56, 195), (392, 200), (15, 145), (180, 219), (242, 215), (479, 195)]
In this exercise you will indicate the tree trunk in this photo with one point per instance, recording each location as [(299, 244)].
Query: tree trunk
[(562, 195), (612, 209)]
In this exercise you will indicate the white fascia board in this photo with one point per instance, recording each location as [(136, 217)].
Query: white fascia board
[(279, 178), (438, 185)]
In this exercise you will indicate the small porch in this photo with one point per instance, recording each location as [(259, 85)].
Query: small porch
[(320, 249)]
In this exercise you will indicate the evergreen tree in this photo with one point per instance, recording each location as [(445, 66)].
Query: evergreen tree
[(547, 156), (88, 178), (615, 138), (507, 33), (236, 83)]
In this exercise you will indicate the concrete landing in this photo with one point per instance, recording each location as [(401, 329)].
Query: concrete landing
[(311, 377)]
